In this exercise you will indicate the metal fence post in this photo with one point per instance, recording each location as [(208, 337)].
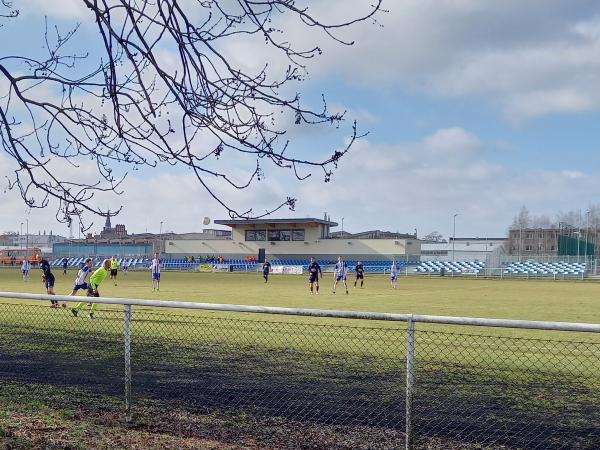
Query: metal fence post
[(127, 341), (410, 356)]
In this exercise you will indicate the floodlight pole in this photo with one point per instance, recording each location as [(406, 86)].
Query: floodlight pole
[(587, 229), (453, 234), (520, 240), (21, 237), (160, 240)]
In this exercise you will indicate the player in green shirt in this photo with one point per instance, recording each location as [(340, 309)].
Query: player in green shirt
[(114, 265), (95, 280)]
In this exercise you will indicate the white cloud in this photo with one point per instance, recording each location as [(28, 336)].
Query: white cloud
[(407, 185), (61, 9), (396, 187), (530, 59)]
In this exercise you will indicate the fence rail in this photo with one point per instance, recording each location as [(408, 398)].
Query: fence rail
[(379, 380)]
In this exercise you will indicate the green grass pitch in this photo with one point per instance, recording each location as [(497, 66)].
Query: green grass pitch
[(450, 361), (568, 301)]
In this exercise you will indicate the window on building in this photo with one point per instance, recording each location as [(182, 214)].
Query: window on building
[(529, 235), (297, 235), (541, 235), (279, 235), (256, 235), (552, 248), (528, 248)]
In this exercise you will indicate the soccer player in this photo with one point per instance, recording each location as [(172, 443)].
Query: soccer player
[(25, 267), (360, 273), (82, 274), (394, 274), (340, 271), (114, 266), (48, 280), (95, 280), (314, 271), (266, 269), (155, 268), (65, 262)]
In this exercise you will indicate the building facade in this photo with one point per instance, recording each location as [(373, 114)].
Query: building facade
[(462, 249), (531, 243), (292, 238)]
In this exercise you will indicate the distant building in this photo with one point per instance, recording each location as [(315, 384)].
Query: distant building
[(373, 234), (562, 241), (109, 232), (296, 239), (461, 249)]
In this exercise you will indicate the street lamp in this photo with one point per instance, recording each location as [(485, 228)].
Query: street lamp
[(21, 236), (587, 230), (160, 239), (342, 227), (453, 234), (520, 240)]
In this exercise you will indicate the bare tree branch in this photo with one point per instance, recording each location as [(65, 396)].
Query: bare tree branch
[(131, 106)]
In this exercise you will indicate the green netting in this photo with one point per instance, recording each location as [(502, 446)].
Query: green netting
[(571, 246)]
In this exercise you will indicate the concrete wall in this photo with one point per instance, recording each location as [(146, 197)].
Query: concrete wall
[(320, 248)]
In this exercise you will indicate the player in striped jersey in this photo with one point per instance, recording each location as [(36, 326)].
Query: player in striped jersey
[(394, 274), (82, 274), (25, 267), (155, 269), (95, 280), (341, 269)]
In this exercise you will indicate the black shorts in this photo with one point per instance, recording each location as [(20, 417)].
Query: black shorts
[(313, 278), (49, 281), (360, 276), (113, 272), (266, 273)]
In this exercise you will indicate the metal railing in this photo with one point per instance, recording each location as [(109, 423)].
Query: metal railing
[(364, 376)]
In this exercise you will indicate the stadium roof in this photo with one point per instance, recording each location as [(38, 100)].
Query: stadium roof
[(273, 221)]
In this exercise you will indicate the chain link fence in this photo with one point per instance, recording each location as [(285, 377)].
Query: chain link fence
[(306, 382)]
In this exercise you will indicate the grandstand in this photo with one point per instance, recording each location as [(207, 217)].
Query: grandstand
[(454, 267), (372, 266), (545, 269), (236, 265), (131, 263)]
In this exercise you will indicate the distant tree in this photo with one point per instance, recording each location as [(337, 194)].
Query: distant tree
[(522, 219), (541, 222), (434, 236), (157, 87)]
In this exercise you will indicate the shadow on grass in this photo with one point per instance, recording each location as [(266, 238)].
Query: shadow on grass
[(289, 398)]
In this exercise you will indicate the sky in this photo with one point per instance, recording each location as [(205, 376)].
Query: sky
[(472, 107)]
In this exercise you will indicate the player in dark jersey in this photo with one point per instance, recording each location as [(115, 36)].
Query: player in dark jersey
[(65, 263), (48, 280), (266, 267), (314, 271), (360, 273)]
